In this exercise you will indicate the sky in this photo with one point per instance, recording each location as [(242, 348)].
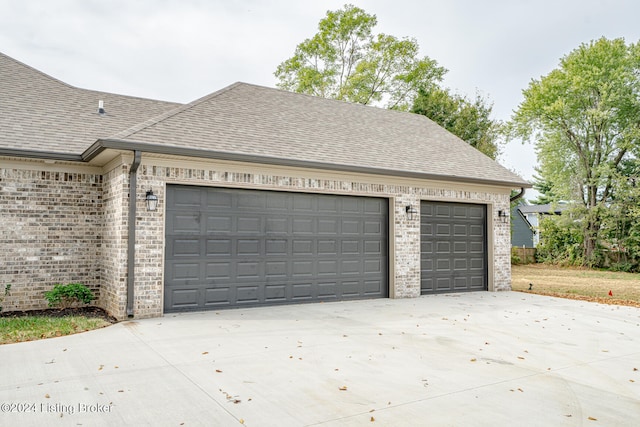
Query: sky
[(181, 50)]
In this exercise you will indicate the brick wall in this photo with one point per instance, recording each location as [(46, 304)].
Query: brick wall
[(64, 227), (113, 256), (51, 233)]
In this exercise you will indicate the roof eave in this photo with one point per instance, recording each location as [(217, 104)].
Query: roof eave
[(43, 155), (118, 144)]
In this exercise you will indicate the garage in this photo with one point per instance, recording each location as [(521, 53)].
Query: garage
[(235, 247), (453, 247)]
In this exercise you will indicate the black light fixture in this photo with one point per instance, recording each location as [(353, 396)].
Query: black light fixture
[(502, 215), (152, 201), (410, 210)]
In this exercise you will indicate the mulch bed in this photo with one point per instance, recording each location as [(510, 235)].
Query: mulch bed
[(56, 312)]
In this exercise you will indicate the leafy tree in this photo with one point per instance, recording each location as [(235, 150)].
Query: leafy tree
[(545, 190), (585, 119), (468, 119), (345, 60)]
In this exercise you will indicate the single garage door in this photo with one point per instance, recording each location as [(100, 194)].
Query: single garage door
[(453, 250), (230, 248)]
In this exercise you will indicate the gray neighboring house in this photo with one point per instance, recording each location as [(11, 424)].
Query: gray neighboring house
[(526, 222), (249, 196)]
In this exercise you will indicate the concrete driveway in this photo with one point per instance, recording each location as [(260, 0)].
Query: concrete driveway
[(475, 359)]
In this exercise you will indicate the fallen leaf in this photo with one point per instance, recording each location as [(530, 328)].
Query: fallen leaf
[(241, 421), (520, 390), (372, 419), (473, 360), (46, 396), (635, 369), (520, 357), (343, 388), (218, 371), (100, 368), (592, 419), (205, 352), (120, 391)]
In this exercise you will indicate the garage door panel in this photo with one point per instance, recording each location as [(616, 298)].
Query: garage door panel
[(302, 268), (249, 224), (263, 247), (218, 270), (373, 266), (328, 205), (248, 247), (453, 247), (185, 247), (186, 271), (217, 296), (301, 291), (373, 248), (186, 223), (277, 225), (303, 247), (185, 297), (327, 247), (373, 228), (247, 294), (275, 293), (252, 201), (276, 247), (218, 247), (189, 199), (219, 224), (328, 226)]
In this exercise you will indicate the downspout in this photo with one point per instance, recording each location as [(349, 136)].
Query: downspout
[(131, 240)]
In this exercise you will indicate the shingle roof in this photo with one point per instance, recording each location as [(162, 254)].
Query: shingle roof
[(549, 208), (255, 120), (40, 113)]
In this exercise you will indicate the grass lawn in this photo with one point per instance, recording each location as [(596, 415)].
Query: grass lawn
[(578, 283), (29, 328)]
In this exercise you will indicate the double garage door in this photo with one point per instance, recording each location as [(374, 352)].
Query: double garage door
[(230, 248)]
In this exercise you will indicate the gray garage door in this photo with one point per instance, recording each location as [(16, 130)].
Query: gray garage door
[(230, 247), (453, 247)]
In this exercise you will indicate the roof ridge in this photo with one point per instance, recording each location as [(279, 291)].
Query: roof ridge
[(42, 73), (166, 115)]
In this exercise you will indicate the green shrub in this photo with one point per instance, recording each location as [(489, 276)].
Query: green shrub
[(64, 296), (561, 241), (7, 288)]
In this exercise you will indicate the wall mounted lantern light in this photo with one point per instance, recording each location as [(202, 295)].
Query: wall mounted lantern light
[(410, 210), (502, 215), (152, 201)]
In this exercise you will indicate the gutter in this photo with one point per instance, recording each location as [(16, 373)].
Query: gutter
[(118, 144), (131, 239), (517, 196)]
